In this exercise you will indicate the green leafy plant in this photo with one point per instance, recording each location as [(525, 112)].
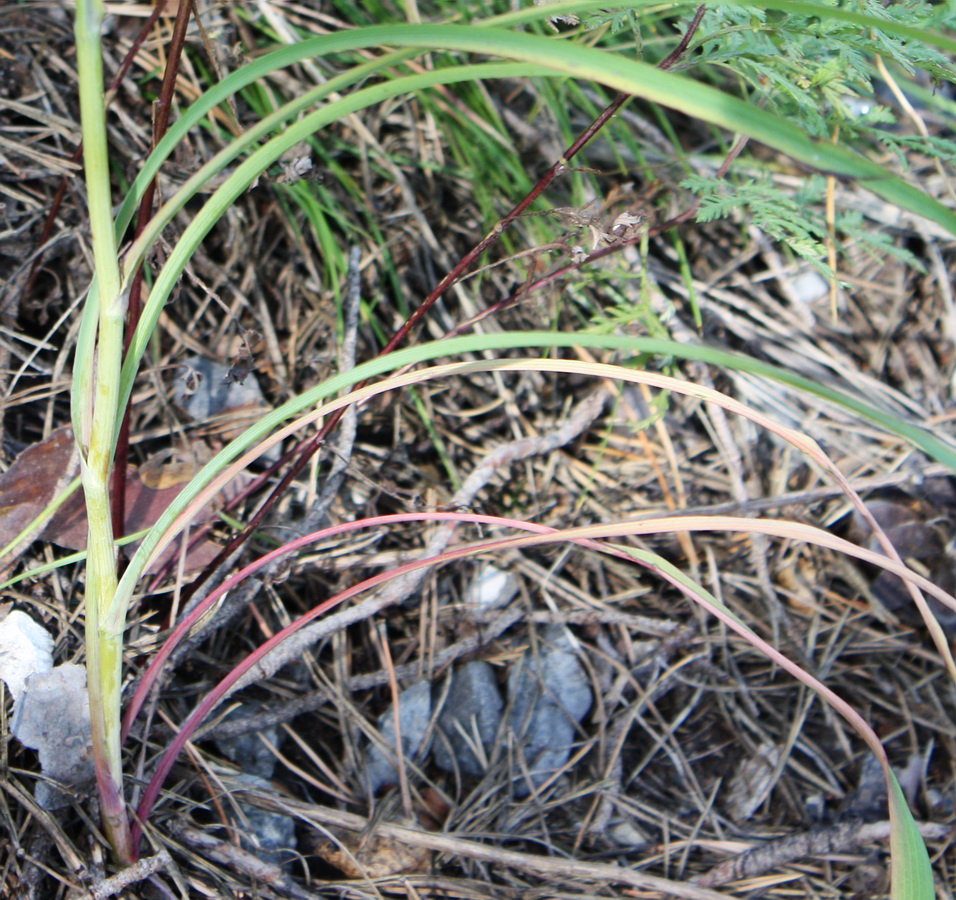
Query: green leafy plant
[(769, 50)]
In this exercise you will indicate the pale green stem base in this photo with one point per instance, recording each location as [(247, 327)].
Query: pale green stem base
[(94, 399), (104, 659)]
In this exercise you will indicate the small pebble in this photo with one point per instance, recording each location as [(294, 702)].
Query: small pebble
[(626, 834), (269, 835), (809, 286), (491, 588), (474, 701), (415, 711), (549, 693)]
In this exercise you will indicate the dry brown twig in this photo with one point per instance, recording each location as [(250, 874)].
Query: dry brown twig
[(239, 860), (139, 871), (840, 838), (541, 866)]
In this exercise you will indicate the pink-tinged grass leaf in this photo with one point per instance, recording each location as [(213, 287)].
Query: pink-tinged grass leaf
[(910, 860)]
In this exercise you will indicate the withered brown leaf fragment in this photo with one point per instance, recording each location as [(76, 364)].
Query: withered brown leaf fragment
[(149, 491), (37, 475)]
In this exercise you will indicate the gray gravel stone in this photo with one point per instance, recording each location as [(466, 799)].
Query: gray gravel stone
[(473, 701), (248, 751), (415, 711), (207, 388), (269, 835), (204, 389), (549, 693)]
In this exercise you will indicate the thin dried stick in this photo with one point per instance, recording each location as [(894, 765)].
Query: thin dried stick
[(241, 861), (163, 106), (836, 839), (545, 867), (386, 653), (139, 871)]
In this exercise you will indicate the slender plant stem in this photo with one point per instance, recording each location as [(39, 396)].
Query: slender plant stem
[(96, 417), (77, 154)]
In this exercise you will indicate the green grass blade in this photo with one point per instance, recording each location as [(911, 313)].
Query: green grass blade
[(668, 89), (698, 100), (928, 36), (256, 163), (247, 139), (701, 101), (453, 347), (911, 875)]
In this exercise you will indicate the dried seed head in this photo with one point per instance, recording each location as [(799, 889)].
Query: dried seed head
[(567, 19), (626, 222)]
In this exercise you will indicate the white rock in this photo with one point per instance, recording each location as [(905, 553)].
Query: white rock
[(492, 588), (25, 649), (53, 717)]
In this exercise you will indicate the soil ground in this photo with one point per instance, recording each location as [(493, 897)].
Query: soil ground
[(696, 748)]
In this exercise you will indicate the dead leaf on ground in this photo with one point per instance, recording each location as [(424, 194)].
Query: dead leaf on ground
[(363, 856), (922, 534), (35, 477), (149, 491), (43, 470)]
